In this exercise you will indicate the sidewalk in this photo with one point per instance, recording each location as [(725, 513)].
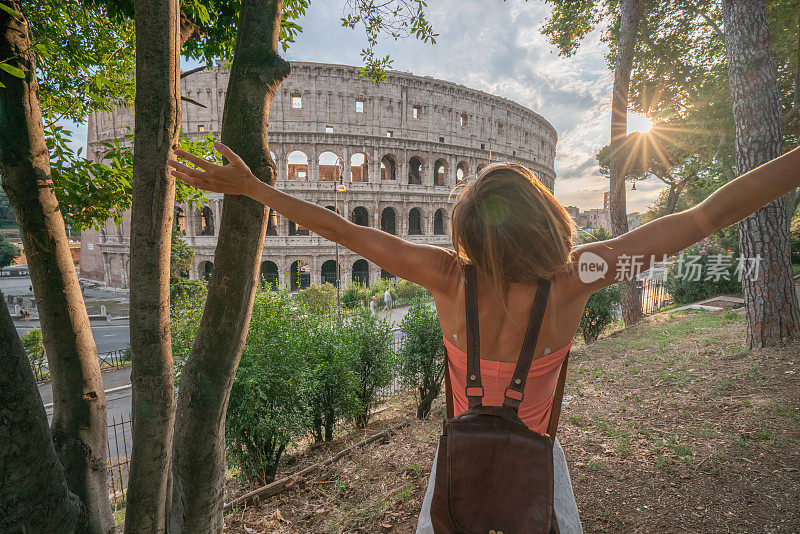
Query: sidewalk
[(111, 379)]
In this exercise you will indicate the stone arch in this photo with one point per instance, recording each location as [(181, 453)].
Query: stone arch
[(272, 223), (462, 171), (361, 272), (360, 216), (438, 222), (299, 275), (204, 270), (481, 166), (268, 275), (204, 222), (328, 165), (359, 170), (389, 221), (388, 167), (415, 170), (439, 172), (328, 272), (414, 222), (296, 229), (180, 220), (297, 162)]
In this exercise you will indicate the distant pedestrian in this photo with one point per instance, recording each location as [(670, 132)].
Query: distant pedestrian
[(387, 299), (108, 317), (373, 305), (30, 288), (25, 314)]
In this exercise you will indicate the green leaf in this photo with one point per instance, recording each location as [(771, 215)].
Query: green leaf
[(10, 11), (11, 69)]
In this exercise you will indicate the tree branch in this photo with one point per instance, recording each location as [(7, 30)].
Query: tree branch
[(195, 102)]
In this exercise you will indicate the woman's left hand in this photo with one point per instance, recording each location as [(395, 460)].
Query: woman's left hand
[(234, 178)]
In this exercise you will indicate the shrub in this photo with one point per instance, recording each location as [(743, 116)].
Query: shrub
[(268, 402), (183, 287), (354, 295), (409, 291), (369, 342), (421, 358), (599, 312), (33, 343), (185, 314), (379, 287), (318, 300), (794, 239), (691, 276), (333, 385)]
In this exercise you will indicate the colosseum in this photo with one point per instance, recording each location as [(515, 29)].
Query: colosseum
[(396, 150)]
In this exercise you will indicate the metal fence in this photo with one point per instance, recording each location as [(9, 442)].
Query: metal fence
[(653, 295), (120, 433), (116, 359)]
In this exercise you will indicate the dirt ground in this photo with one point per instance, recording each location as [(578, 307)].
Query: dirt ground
[(669, 426)]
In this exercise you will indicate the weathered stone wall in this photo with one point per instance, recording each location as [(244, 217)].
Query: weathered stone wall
[(407, 127)]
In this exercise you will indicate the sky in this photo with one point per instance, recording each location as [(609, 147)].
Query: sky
[(496, 46)]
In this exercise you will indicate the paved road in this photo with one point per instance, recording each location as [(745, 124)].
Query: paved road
[(107, 336)]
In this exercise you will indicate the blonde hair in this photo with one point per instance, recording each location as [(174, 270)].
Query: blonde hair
[(511, 227)]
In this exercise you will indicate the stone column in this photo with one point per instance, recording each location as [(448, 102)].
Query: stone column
[(313, 165)]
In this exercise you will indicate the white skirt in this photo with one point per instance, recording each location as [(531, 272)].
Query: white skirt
[(569, 522)]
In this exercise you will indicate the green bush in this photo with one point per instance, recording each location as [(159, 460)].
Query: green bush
[(186, 310), (379, 287), (794, 239), (268, 403), (333, 384), (599, 312), (318, 300), (33, 343), (355, 295), (409, 292), (691, 276), (421, 358), (369, 343)]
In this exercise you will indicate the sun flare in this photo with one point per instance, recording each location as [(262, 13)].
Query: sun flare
[(638, 123)]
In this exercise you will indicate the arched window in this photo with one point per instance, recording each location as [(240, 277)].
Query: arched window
[(439, 170), (388, 221), (358, 168), (268, 275), (328, 167), (388, 168), (414, 171), (438, 222), (297, 165), (360, 216), (361, 272), (205, 222), (205, 269), (299, 275), (180, 221), (329, 273), (272, 223), (295, 229), (414, 222), (461, 172)]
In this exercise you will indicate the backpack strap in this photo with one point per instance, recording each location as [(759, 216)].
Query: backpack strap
[(558, 396), (515, 392), (474, 389)]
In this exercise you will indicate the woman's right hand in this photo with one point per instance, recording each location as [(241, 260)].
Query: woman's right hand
[(234, 178)]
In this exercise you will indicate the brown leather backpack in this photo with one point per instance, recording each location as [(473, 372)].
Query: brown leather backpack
[(494, 474)]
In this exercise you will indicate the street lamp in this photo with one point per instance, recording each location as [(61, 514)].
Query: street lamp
[(339, 188)]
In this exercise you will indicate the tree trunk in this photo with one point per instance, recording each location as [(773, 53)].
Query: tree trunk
[(675, 189), (157, 123), (629, 22), (770, 298), (33, 495), (79, 406), (199, 446)]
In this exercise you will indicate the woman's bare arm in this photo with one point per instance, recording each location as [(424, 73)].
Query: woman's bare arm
[(670, 234), (423, 264)]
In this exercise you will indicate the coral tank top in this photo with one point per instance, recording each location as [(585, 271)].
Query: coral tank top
[(496, 376)]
